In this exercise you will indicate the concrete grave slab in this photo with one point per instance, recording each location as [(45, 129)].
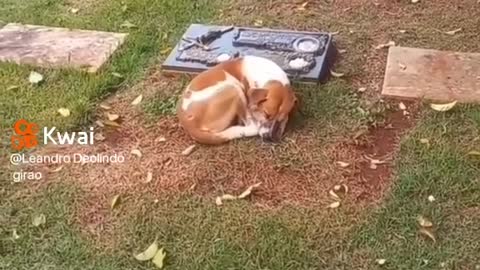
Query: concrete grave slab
[(54, 47), (441, 76)]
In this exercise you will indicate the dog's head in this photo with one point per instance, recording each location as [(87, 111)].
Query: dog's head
[(272, 106)]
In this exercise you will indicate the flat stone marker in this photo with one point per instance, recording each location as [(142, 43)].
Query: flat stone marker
[(441, 76), (54, 47)]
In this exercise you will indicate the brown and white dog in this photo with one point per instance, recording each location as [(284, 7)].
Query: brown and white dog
[(241, 97)]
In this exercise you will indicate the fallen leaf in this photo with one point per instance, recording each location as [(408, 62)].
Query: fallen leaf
[(402, 66), (335, 33), (160, 139), (159, 258), (39, 220), (248, 191), (111, 123), (124, 8), (188, 150), (428, 234), (12, 87), (333, 194), (373, 166), (57, 169), (166, 50), (116, 74), (156, 201), (425, 141), (15, 235), (137, 100), (35, 77), (258, 23), (431, 198), (148, 253), (128, 25), (74, 10), (385, 45), (149, 177), (136, 152), (112, 116), (334, 205), (99, 137), (99, 123), (402, 106), (105, 107), (443, 107), (341, 51), (345, 188), (453, 32), (303, 6), (381, 261), (362, 89), (64, 112), (402, 31), (115, 201), (343, 164), (219, 199), (415, 1), (474, 153), (425, 223), (336, 75)]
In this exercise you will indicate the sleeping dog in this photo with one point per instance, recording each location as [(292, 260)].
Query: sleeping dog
[(241, 97)]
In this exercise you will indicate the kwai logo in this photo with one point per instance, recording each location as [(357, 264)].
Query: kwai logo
[(27, 136)]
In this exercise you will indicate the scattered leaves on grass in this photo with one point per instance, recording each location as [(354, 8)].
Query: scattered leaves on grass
[(128, 25), (424, 222), (12, 87), (160, 139), (112, 116), (385, 45), (188, 150), (148, 253), (428, 234), (149, 177), (303, 6), (115, 201), (431, 198), (64, 112), (362, 89), (105, 107), (116, 74), (99, 123), (334, 205), (137, 100), (402, 106), (219, 200), (473, 153), (258, 23), (39, 220), (35, 77), (15, 235), (159, 258), (333, 194), (99, 137), (341, 188), (248, 191), (443, 107), (136, 152), (381, 261), (336, 74), (74, 10), (453, 32), (343, 164)]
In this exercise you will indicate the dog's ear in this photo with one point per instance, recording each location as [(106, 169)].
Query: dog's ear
[(257, 96)]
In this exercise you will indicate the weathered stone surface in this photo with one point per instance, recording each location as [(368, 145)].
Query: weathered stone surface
[(434, 75), (57, 47)]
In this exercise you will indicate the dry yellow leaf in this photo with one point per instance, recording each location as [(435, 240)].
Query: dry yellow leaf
[(443, 107), (424, 222), (136, 152), (188, 150), (334, 205), (105, 107), (333, 194), (115, 201), (453, 32), (248, 191), (111, 123), (474, 153), (64, 112), (402, 106), (149, 177), (148, 253), (428, 234), (343, 164), (336, 74), (137, 100), (385, 45), (159, 258), (99, 137), (112, 116)]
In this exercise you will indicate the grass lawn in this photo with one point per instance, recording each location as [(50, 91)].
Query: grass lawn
[(285, 225)]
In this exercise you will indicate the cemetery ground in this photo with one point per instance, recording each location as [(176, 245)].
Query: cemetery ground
[(399, 162)]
